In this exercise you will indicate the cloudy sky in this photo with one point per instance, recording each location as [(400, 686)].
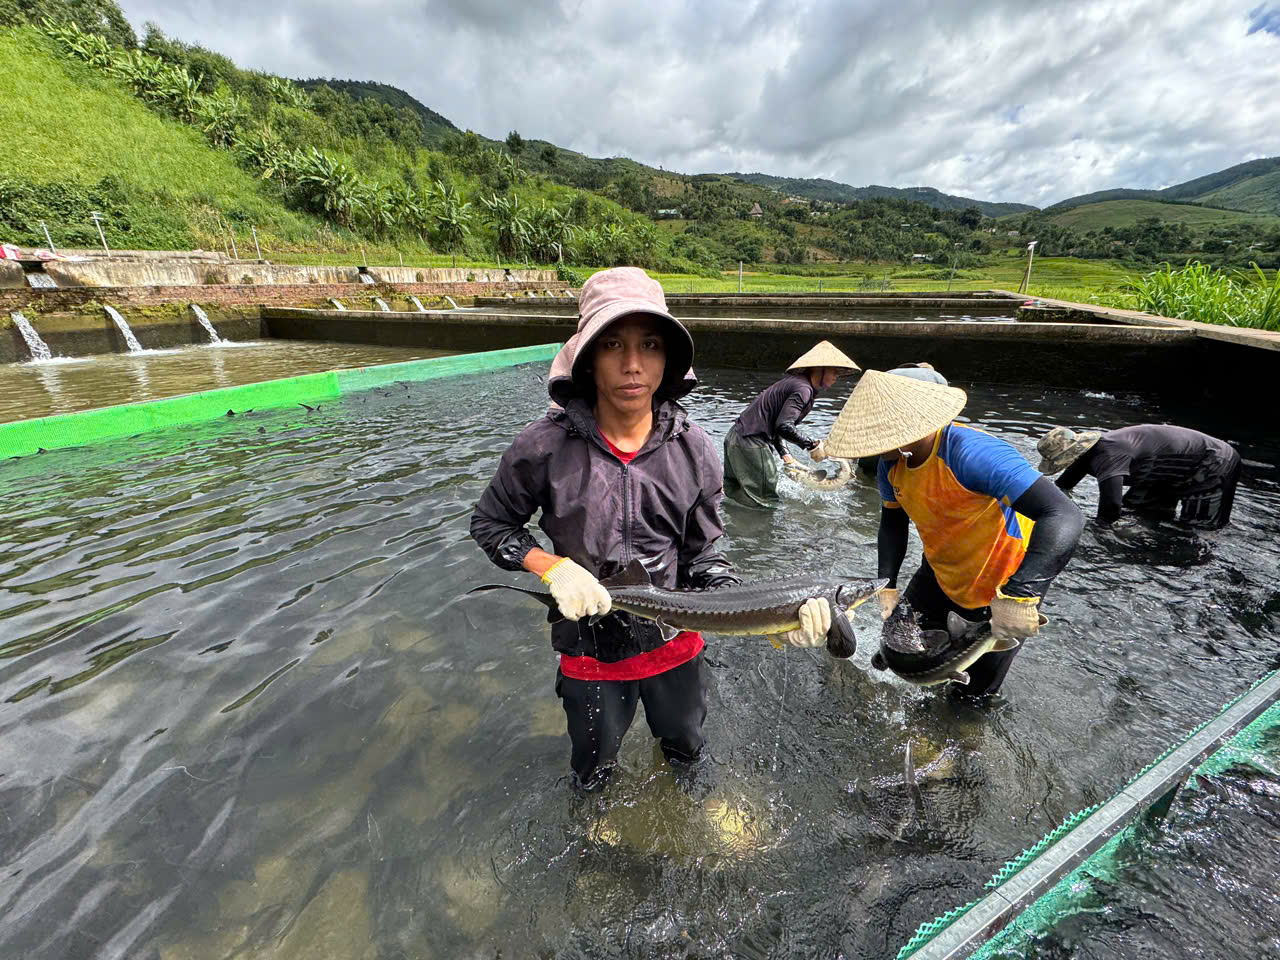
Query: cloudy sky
[(1016, 100)]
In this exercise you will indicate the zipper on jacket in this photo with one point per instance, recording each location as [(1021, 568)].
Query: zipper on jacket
[(626, 516)]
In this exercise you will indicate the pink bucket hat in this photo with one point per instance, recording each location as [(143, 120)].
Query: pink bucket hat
[(608, 296)]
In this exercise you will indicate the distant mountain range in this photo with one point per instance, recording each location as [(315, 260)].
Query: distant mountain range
[(833, 192), (1253, 187)]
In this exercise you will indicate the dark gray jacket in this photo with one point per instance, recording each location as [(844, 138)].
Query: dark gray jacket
[(773, 415), (662, 508)]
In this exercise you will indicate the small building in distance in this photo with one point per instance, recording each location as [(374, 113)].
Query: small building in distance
[(667, 214), (755, 211)]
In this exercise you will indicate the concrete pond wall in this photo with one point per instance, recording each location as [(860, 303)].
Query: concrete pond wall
[(169, 273), (1110, 356)]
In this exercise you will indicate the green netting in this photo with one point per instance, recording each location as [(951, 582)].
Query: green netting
[(26, 437), (1076, 893)]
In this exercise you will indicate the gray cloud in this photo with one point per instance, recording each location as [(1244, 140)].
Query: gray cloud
[(997, 99)]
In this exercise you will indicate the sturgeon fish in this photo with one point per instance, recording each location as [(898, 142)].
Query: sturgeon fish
[(929, 657), (820, 479), (762, 608)]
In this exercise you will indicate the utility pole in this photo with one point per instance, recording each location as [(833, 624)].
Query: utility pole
[(739, 276), (1026, 280), (955, 250), (48, 239), (235, 254), (256, 246), (96, 217)]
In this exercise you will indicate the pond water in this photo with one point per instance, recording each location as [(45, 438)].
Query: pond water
[(243, 710), (64, 385)]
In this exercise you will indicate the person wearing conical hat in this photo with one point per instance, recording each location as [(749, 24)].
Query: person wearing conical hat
[(1162, 465), (994, 531), (755, 442), (620, 474)]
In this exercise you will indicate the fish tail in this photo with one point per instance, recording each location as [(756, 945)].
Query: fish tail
[(541, 596)]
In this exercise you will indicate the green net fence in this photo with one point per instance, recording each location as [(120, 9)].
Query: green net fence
[(1256, 744)]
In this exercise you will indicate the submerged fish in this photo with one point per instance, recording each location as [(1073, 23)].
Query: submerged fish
[(764, 607), (929, 657), (820, 479)]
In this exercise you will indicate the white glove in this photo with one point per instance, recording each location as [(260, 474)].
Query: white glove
[(815, 621), (818, 453), (577, 593), (888, 598)]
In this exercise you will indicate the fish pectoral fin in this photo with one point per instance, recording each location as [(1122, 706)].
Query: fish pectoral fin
[(957, 625), (668, 632), (841, 641), (635, 575), (1005, 643), (959, 676)]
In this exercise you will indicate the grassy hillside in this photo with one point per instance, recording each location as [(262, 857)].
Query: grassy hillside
[(1261, 194), (1126, 213), (1253, 187), (68, 127), (831, 191)]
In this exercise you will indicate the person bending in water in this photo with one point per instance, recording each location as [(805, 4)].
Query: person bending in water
[(1162, 466), (995, 533), (620, 473), (750, 464)]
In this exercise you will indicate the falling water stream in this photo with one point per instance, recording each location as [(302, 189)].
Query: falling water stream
[(123, 326), (39, 349), (205, 322)]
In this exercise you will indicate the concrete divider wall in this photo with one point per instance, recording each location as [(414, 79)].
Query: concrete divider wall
[(68, 298), (170, 273), (1049, 354)]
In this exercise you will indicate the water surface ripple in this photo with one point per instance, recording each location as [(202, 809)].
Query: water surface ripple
[(242, 710)]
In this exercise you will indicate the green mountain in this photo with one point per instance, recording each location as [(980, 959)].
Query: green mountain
[(833, 192), (1253, 187), (434, 126)]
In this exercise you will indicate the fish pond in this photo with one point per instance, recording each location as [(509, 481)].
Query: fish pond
[(244, 711)]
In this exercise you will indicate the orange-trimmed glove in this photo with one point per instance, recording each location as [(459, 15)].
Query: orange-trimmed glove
[(1014, 617), (576, 592), (815, 621), (888, 599)]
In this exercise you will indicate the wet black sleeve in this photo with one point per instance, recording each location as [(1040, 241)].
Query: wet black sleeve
[(786, 429), (1110, 495), (1073, 474), (891, 542), (1059, 523), (498, 523)]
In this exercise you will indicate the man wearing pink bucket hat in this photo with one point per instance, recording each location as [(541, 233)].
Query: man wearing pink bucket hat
[(620, 474)]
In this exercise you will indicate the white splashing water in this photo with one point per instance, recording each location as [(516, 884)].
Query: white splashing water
[(41, 280), (129, 339), (337, 303), (39, 349), (366, 278), (382, 304), (206, 323), (452, 302), (417, 303)]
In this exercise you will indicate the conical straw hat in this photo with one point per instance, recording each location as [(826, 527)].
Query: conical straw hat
[(826, 354), (885, 412)]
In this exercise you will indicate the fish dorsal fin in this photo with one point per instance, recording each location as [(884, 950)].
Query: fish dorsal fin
[(959, 676), (957, 625), (635, 575), (1005, 643)]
